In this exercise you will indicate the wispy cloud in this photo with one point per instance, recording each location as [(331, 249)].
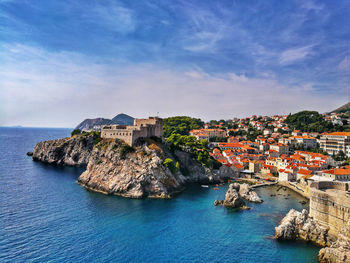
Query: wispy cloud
[(295, 54), (45, 88)]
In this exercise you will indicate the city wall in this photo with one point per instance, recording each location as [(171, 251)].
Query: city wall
[(330, 205)]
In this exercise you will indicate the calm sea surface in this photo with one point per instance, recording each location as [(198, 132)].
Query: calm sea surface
[(45, 216)]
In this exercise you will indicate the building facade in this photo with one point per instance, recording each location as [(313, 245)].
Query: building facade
[(142, 128), (335, 142)]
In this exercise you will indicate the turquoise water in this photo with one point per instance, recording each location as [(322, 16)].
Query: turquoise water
[(45, 216)]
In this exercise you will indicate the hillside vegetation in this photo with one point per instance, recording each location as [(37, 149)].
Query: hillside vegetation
[(310, 121), (180, 125)]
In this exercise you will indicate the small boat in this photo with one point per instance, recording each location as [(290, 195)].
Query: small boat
[(215, 188), (205, 186)]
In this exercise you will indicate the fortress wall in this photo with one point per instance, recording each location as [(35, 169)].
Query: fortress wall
[(154, 124), (330, 185), (142, 128), (330, 209), (122, 134)]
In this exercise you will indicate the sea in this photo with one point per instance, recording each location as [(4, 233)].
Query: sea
[(45, 216)]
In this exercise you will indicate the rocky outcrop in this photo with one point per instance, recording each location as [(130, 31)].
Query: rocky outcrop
[(232, 198), (298, 225), (248, 194), (339, 251), (117, 169), (74, 150)]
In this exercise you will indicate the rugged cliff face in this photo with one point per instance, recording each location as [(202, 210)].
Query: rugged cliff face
[(298, 225), (74, 150), (338, 251), (117, 169)]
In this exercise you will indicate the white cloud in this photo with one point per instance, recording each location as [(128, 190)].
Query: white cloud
[(41, 88), (295, 54)]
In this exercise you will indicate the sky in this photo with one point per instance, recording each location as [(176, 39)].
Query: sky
[(63, 61)]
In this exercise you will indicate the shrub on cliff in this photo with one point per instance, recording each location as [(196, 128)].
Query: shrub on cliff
[(75, 132), (125, 149), (168, 162)]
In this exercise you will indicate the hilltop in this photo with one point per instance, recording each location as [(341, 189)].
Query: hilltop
[(89, 124), (344, 108)]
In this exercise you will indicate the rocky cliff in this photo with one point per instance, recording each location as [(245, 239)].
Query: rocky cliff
[(117, 169), (298, 225), (339, 251), (74, 150)]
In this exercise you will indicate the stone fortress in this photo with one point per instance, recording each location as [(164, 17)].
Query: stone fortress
[(142, 128), (330, 204)]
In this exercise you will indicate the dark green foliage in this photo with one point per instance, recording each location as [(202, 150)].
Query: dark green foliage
[(97, 140), (180, 125), (125, 150), (253, 135), (199, 149), (340, 156), (309, 121), (75, 132), (170, 164)]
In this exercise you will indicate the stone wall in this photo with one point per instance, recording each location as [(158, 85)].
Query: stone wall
[(123, 134), (330, 208), (330, 185)]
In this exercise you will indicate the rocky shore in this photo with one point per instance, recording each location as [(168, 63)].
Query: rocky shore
[(300, 226), (338, 251), (117, 169)]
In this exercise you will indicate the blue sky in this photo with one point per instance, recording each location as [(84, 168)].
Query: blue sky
[(63, 61)]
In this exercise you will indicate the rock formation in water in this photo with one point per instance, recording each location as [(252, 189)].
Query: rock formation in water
[(248, 194), (73, 151), (232, 198), (298, 225), (339, 251)]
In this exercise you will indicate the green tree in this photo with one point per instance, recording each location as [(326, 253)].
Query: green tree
[(75, 132), (180, 125)]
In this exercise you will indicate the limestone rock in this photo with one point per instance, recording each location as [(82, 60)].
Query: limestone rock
[(339, 251), (298, 225), (136, 174), (248, 194), (218, 202), (73, 151), (232, 198)]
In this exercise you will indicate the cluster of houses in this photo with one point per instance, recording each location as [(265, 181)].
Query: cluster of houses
[(270, 156)]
